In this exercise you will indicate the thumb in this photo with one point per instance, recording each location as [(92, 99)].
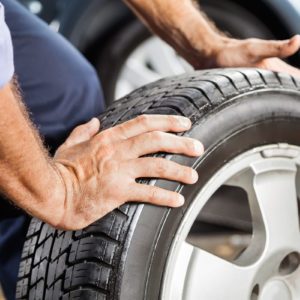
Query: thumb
[(83, 133), (260, 49)]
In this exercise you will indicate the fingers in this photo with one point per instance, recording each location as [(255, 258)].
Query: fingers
[(157, 141), (151, 167), (278, 65), (260, 49), (155, 195), (147, 123), (83, 132)]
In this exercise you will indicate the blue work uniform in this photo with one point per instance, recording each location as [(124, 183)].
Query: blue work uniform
[(60, 89)]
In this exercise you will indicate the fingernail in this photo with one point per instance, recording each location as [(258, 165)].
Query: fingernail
[(181, 200), (184, 122), (94, 121), (198, 147), (195, 176)]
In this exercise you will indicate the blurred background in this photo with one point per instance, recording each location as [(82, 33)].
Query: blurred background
[(125, 54)]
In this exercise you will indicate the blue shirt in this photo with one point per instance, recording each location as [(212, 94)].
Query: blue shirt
[(6, 51)]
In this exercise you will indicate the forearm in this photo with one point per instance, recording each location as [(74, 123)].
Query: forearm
[(181, 24), (27, 175)]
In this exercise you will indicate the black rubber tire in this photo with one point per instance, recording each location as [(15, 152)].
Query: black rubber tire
[(122, 255), (228, 16)]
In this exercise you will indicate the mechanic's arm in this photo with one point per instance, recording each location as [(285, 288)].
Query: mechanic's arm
[(92, 173), (183, 26), (27, 175)]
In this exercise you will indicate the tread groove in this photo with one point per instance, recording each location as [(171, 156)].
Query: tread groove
[(97, 234), (230, 80), (294, 81), (86, 286), (262, 77), (216, 86), (278, 77), (246, 78)]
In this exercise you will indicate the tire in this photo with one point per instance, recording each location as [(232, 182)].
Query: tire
[(124, 254), (231, 18)]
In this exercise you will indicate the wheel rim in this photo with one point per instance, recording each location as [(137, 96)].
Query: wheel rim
[(269, 267), (150, 61)]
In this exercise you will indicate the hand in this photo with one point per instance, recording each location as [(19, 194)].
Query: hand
[(254, 53), (251, 52), (200, 43), (277, 65), (99, 170)]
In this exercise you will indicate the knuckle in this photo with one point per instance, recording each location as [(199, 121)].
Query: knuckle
[(249, 48), (161, 168), (249, 45), (103, 138), (154, 195), (190, 144), (157, 136), (143, 120), (173, 121), (123, 131), (279, 47)]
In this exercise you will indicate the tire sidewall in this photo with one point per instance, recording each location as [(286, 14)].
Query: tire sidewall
[(254, 119)]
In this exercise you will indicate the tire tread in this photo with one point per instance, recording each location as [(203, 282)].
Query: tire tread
[(84, 264)]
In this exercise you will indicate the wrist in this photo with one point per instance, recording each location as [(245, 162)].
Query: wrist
[(69, 188), (61, 194), (48, 203), (41, 196), (193, 35)]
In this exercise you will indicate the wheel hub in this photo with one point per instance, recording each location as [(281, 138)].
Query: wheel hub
[(269, 266)]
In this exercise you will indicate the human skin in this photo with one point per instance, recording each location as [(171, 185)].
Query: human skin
[(182, 24), (92, 173)]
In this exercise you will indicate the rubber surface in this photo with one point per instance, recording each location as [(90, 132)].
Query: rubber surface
[(88, 264)]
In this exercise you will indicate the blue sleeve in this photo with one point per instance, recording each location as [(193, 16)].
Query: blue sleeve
[(6, 51)]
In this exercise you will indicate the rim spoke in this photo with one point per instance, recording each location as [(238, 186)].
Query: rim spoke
[(268, 175), (244, 180), (211, 277), (274, 185), (137, 74)]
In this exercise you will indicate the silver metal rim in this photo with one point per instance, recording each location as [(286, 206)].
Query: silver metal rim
[(150, 61), (270, 176)]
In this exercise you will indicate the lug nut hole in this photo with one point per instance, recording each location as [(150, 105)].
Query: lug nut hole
[(255, 292), (289, 264)]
